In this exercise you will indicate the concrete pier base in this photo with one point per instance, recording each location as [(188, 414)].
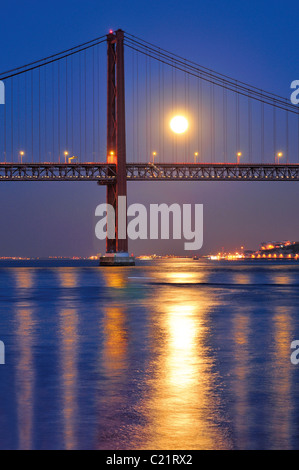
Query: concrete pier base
[(117, 259)]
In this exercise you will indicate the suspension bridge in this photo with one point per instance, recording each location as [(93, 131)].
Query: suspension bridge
[(87, 114)]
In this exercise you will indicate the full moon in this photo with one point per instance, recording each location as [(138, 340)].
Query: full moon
[(179, 124)]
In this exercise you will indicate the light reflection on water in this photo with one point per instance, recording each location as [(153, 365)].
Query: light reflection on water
[(167, 355), (69, 373), (182, 397), (25, 376)]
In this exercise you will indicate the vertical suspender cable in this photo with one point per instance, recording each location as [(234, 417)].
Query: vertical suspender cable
[(172, 97), (159, 121), (99, 107), (58, 72), (239, 126), (224, 124), (39, 117), (12, 116), (262, 132), (53, 115), (32, 117), (66, 107), (46, 120), (274, 130), (185, 90), (18, 112), (146, 110), (80, 107), (93, 107), (201, 122), (211, 123), (72, 105), (287, 136), (137, 110), (26, 115), (5, 159), (163, 114), (188, 103), (133, 97), (198, 117), (151, 149), (249, 130), (85, 109)]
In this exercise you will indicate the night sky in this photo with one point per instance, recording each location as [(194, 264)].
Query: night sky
[(253, 41)]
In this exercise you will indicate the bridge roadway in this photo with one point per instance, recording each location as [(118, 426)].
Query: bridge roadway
[(105, 173)]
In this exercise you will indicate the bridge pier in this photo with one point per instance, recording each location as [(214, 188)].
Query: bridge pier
[(117, 259), (116, 249)]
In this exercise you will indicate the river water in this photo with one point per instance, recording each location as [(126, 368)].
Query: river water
[(176, 354)]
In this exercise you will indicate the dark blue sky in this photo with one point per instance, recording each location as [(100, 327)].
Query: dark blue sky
[(252, 41)]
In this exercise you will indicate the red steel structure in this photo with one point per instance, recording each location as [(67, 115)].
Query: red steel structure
[(116, 135)]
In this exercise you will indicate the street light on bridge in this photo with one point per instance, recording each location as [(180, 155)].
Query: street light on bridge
[(65, 156), (195, 157), (278, 156), (22, 153), (154, 155), (239, 155), (112, 158)]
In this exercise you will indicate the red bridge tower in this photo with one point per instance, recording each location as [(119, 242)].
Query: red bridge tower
[(117, 247)]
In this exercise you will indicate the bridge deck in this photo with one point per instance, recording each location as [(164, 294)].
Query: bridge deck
[(105, 173)]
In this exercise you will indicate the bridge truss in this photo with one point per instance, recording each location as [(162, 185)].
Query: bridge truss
[(106, 174)]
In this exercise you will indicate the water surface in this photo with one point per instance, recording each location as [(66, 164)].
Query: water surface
[(167, 355)]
